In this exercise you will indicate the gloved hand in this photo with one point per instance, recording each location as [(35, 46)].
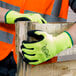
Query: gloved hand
[(12, 16), (45, 48)]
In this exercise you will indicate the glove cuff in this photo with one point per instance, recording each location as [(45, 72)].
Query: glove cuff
[(11, 16), (6, 16), (70, 37), (63, 41)]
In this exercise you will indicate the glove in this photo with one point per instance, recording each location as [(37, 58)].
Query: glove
[(46, 46), (12, 16)]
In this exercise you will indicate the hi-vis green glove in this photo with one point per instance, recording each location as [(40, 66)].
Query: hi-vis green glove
[(12, 16), (45, 48)]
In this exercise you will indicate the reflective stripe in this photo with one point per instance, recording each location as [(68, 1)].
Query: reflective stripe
[(9, 6), (49, 18), (6, 37), (54, 19), (56, 8)]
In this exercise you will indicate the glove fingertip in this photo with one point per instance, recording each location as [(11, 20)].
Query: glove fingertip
[(22, 47), (24, 41), (23, 52), (25, 60), (43, 21)]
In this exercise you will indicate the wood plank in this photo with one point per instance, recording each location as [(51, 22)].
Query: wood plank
[(21, 34), (67, 68)]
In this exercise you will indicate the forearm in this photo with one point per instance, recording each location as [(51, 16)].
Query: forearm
[(2, 14), (72, 32)]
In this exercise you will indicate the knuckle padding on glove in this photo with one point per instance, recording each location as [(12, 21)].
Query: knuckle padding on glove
[(22, 19)]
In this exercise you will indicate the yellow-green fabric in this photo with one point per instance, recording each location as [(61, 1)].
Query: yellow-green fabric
[(46, 48), (11, 17)]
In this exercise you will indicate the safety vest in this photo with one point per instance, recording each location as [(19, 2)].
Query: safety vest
[(51, 9), (58, 8), (7, 41)]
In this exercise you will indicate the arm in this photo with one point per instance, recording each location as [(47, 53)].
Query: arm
[(72, 32), (72, 4), (10, 16), (47, 45), (3, 11)]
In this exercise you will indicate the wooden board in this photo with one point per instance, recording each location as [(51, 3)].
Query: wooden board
[(21, 34), (67, 68)]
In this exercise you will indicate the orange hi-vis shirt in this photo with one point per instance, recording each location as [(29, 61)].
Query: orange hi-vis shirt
[(7, 40), (57, 8), (52, 10)]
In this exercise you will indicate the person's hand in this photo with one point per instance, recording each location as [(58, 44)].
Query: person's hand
[(45, 48), (12, 16)]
